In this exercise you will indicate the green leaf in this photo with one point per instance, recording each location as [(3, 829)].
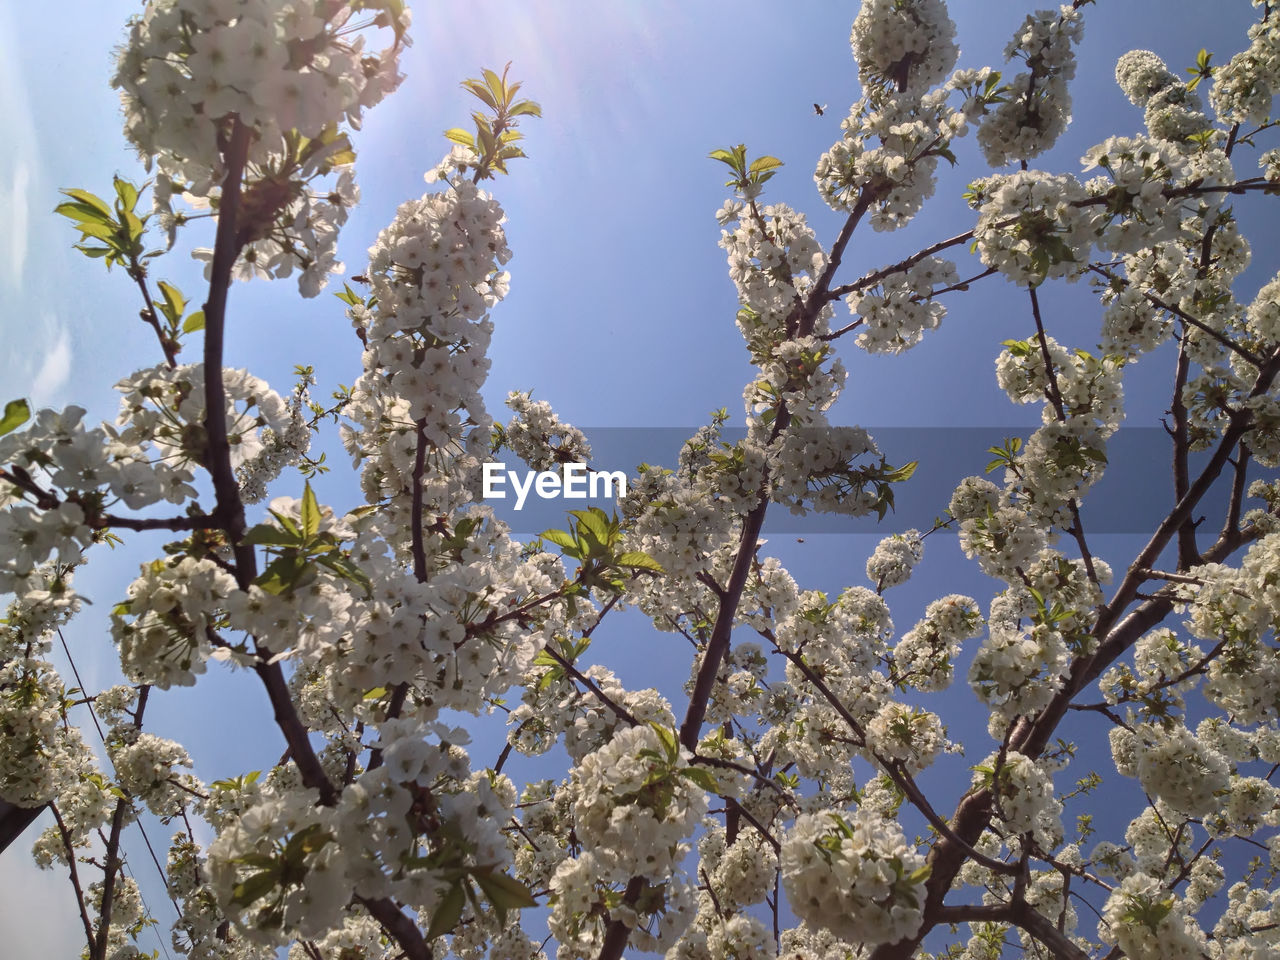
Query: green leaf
[(90, 200), (448, 912), (919, 875), (286, 573), (16, 413), (762, 165), (82, 212), (310, 512), (349, 296), (265, 535), (496, 85), (668, 738), (525, 108), (504, 892), (458, 135), (640, 561), (127, 194), (702, 777), (560, 538), (735, 158), (377, 693), (253, 888), (481, 92), (595, 522), (903, 472), (346, 569), (97, 230), (194, 322), (135, 226), (174, 302)]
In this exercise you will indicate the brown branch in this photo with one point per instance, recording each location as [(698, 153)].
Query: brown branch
[(718, 645), (399, 926), (111, 860), (1245, 354), (1238, 490), (897, 773), (1042, 928), (621, 712), (230, 509), (875, 276), (139, 274), (75, 876), (617, 933)]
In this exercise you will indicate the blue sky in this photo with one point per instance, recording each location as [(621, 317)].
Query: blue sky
[(620, 312)]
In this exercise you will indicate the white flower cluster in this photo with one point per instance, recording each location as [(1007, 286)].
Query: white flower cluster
[(1003, 541), (1172, 111), (677, 523), (1241, 606), (855, 876), (1131, 324), (144, 765), (1149, 922), (90, 468), (1037, 106), (772, 255), (814, 468), (1084, 408), (739, 874), (42, 757), (974, 497), (1163, 665), (903, 46), (896, 314), (539, 437), (925, 656), (288, 71), (887, 155), (1245, 85), (1175, 766), (280, 449), (1031, 225), (853, 630), (398, 823), (907, 734), (633, 809), (435, 273), (1024, 795), (38, 752), (164, 407), (1250, 924), (1141, 74), (1139, 170), (1017, 671), (894, 558), (163, 629), (277, 65), (1262, 317)]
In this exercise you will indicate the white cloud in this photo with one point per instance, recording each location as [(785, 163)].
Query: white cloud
[(17, 161), (55, 368), (15, 216)]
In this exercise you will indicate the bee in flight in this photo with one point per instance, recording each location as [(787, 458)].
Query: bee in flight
[(819, 108)]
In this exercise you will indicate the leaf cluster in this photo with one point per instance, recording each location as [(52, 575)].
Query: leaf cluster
[(594, 539), (495, 139), (300, 550), (748, 177)]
